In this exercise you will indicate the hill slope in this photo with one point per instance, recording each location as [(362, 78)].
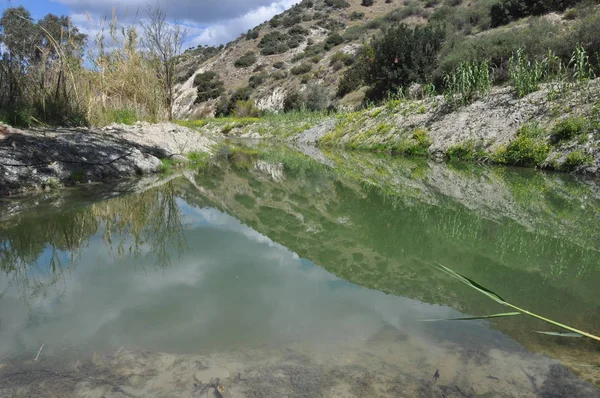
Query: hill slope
[(314, 42)]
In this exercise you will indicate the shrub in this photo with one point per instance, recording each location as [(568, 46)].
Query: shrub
[(208, 86), (246, 109), (301, 69), (334, 39), (337, 3), (246, 60), (567, 129), (527, 149), (252, 34), (510, 10), (367, 3), (315, 97), (279, 75), (354, 78), (274, 43), (337, 66), (571, 14), (256, 80), (279, 65), (400, 56), (575, 160), (470, 151), (355, 16), (344, 58), (292, 101), (291, 20), (298, 31)]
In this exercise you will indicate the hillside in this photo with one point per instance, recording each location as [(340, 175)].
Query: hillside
[(315, 42)]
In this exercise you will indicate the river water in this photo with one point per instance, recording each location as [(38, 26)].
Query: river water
[(271, 274)]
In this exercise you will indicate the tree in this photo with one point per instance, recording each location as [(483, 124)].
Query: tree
[(164, 40)]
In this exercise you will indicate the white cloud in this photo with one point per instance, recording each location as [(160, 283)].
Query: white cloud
[(209, 23)]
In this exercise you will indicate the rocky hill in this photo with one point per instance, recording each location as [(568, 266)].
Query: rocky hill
[(316, 41)]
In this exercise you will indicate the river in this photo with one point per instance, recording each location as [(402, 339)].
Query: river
[(271, 273)]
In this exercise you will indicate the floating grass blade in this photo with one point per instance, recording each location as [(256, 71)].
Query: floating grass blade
[(471, 318), (563, 334), (498, 299)]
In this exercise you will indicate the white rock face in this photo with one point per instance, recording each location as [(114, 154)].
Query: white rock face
[(272, 102)]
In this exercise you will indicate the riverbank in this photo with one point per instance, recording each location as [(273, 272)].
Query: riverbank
[(43, 159), (556, 128)]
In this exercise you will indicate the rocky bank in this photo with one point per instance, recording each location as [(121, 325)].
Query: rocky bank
[(47, 158), (556, 127)]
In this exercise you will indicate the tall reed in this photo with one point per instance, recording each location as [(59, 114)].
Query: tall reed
[(471, 80)]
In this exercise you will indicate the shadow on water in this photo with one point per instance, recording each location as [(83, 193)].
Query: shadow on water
[(372, 221)]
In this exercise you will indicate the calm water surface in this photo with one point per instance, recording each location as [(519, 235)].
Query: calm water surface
[(282, 276)]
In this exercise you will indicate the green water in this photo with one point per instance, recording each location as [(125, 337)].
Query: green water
[(268, 252)]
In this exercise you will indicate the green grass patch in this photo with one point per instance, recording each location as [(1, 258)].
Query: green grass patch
[(167, 165), (470, 151), (123, 116), (192, 124), (575, 160), (570, 128), (198, 159), (529, 149)]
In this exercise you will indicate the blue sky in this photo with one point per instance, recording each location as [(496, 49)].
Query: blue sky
[(38, 8), (210, 22)]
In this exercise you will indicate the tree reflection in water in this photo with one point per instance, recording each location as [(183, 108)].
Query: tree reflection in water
[(37, 248)]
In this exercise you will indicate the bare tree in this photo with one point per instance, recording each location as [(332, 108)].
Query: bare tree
[(164, 40)]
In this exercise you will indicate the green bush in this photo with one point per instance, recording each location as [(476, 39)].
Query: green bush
[(510, 10), (315, 97), (301, 69), (528, 149), (274, 43), (497, 47), (400, 56), (567, 129), (292, 101), (298, 31), (334, 39), (469, 151), (367, 3), (279, 65), (355, 16), (571, 14), (256, 80), (575, 160), (344, 58), (253, 34), (246, 60), (246, 109), (337, 3), (208, 86)]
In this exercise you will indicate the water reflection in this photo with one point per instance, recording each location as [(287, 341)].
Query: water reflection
[(226, 258)]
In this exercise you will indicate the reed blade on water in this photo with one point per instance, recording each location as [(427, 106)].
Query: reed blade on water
[(471, 318), (498, 299)]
